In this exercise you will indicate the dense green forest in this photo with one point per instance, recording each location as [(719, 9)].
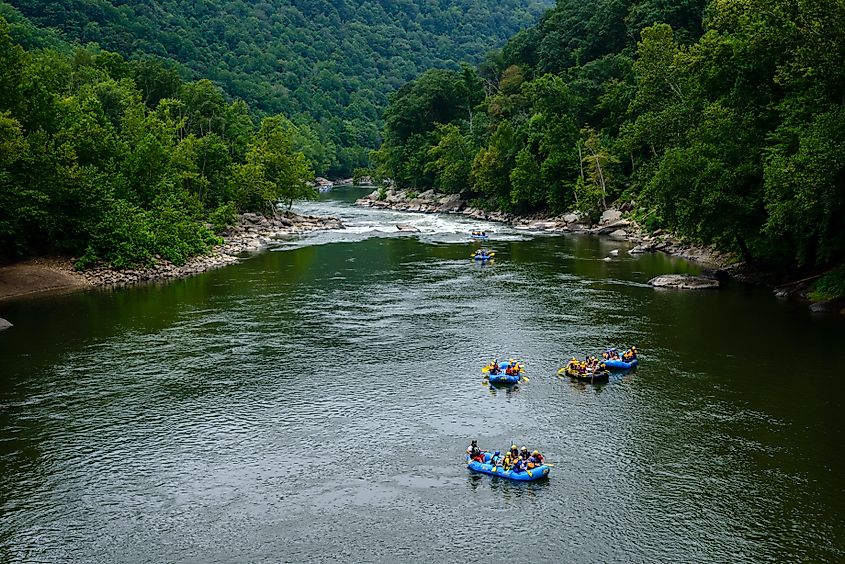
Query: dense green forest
[(328, 65), (723, 121), (122, 162)]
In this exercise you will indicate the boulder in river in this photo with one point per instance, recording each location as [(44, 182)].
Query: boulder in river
[(828, 306), (407, 228), (683, 282), (4, 324)]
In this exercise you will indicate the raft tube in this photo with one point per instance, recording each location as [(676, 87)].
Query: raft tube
[(502, 378), (484, 258), (486, 468), (597, 377), (619, 364)]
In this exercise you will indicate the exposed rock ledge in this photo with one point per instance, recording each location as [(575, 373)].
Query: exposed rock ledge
[(683, 282)]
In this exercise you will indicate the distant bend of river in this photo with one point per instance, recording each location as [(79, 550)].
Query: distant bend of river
[(313, 403)]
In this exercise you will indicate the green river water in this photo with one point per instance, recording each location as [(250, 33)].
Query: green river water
[(313, 403)]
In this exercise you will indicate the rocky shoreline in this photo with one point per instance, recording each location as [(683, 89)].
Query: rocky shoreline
[(251, 234), (612, 224)]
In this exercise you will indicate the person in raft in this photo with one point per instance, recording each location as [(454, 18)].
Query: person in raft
[(536, 459), (496, 459), (507, 462), (475, 454), (493, 367)]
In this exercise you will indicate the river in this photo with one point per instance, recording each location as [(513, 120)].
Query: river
[(313, 403)]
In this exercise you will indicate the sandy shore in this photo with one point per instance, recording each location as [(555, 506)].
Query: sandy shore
[(252, 234)]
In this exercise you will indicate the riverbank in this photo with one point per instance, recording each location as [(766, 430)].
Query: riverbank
[(251, 234), (612, 224)]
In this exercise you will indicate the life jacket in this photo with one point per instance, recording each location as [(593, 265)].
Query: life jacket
[(525, 455)]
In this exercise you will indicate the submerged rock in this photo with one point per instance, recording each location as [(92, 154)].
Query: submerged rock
[(407, 228), (4, 324), (683, 282)]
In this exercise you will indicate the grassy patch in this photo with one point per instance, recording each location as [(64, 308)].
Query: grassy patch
[(829, 286)]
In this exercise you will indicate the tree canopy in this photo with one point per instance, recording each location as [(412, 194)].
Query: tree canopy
[(328, 65), (723, 121)]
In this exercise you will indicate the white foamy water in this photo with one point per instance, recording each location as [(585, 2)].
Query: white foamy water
[(363, 223)]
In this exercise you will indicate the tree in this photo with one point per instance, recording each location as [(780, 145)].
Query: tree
[(450, 159), (285, 169)]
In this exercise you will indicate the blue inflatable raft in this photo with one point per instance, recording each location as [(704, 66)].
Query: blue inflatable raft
[(486, 468), (484, 258), (502, 378), (480, 237), (614, 364)]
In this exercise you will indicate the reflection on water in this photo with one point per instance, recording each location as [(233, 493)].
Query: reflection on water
[(314, 404)]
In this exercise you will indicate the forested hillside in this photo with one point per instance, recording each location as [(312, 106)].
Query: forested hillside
[(723, 121), (328, 65), (123, 163)]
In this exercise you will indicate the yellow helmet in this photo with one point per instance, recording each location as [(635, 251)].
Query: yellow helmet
[(536, 452), (513, 446)]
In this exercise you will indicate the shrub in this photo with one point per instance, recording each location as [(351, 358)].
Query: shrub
[(829, 286), (121, 239), (224, 216)]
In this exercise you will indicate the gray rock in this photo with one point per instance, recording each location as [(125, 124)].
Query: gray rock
[(407, 228), (614, 253), (451, 203), (641, 249), (829, 306), (611, 227), (619, 235), (4, 324), (683, 282), (571, 218), (610, 216)]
